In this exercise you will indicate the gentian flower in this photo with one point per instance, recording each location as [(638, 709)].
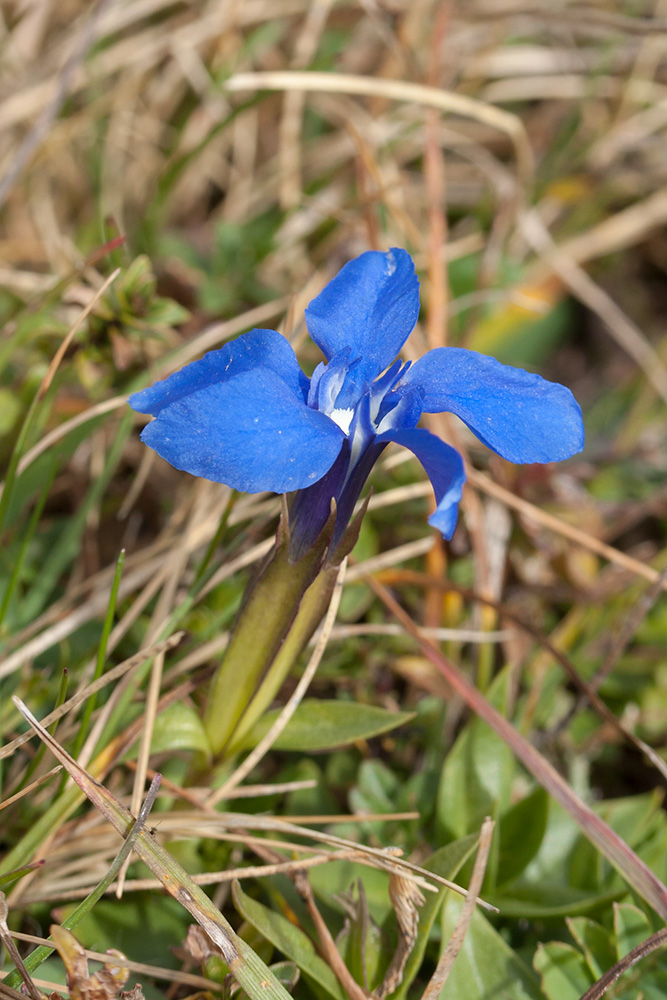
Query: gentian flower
[(246, 415)]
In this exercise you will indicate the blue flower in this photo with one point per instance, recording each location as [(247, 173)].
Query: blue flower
[(246, 415)]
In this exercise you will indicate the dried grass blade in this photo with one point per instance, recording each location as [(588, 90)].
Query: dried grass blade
[(327, 944), (36, 957), (626, 333), (22, 975), (399, 90), (247, 968), (169, 975), (111, 675), (379, 857), (30, 788), (455, 943), (576, 535), (588, 689), (618, 853), (652, 943), (40, 129)]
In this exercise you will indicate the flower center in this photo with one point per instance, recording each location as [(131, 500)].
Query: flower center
[(342, 417)]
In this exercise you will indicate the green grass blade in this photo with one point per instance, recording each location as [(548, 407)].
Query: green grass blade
[(89, 707), (9, 877), (27, 538), (17, 451)]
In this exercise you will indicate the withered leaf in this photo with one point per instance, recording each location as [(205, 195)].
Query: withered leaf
[(106, 984)]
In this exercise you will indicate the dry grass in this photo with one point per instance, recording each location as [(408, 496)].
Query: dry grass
[(526, 139)]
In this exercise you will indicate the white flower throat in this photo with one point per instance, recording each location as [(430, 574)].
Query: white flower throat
[(343, 417)]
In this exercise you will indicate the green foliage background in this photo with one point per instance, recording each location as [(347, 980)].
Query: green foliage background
[(137, 149)]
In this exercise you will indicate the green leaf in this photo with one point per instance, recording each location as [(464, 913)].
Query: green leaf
[(637, 820), (486, 968), (595, 942), (166, 312), (566, 877), (654, 851), (318, 725), (631, 926), (179, 727), (376, 788), (7, 878), (653, 986), (562, 970), (477, 776), (521, 831), (286, 973), (362, 943), (289, 939)]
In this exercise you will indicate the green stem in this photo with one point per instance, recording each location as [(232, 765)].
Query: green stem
[(311, 610), (264, 621)]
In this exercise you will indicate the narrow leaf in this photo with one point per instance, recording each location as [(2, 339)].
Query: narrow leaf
[(289, 939), (318, 725)]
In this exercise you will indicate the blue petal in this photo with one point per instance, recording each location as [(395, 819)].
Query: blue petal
[(265, 348), (444, 467), (371, 306), (519, 415), (251, 432)]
